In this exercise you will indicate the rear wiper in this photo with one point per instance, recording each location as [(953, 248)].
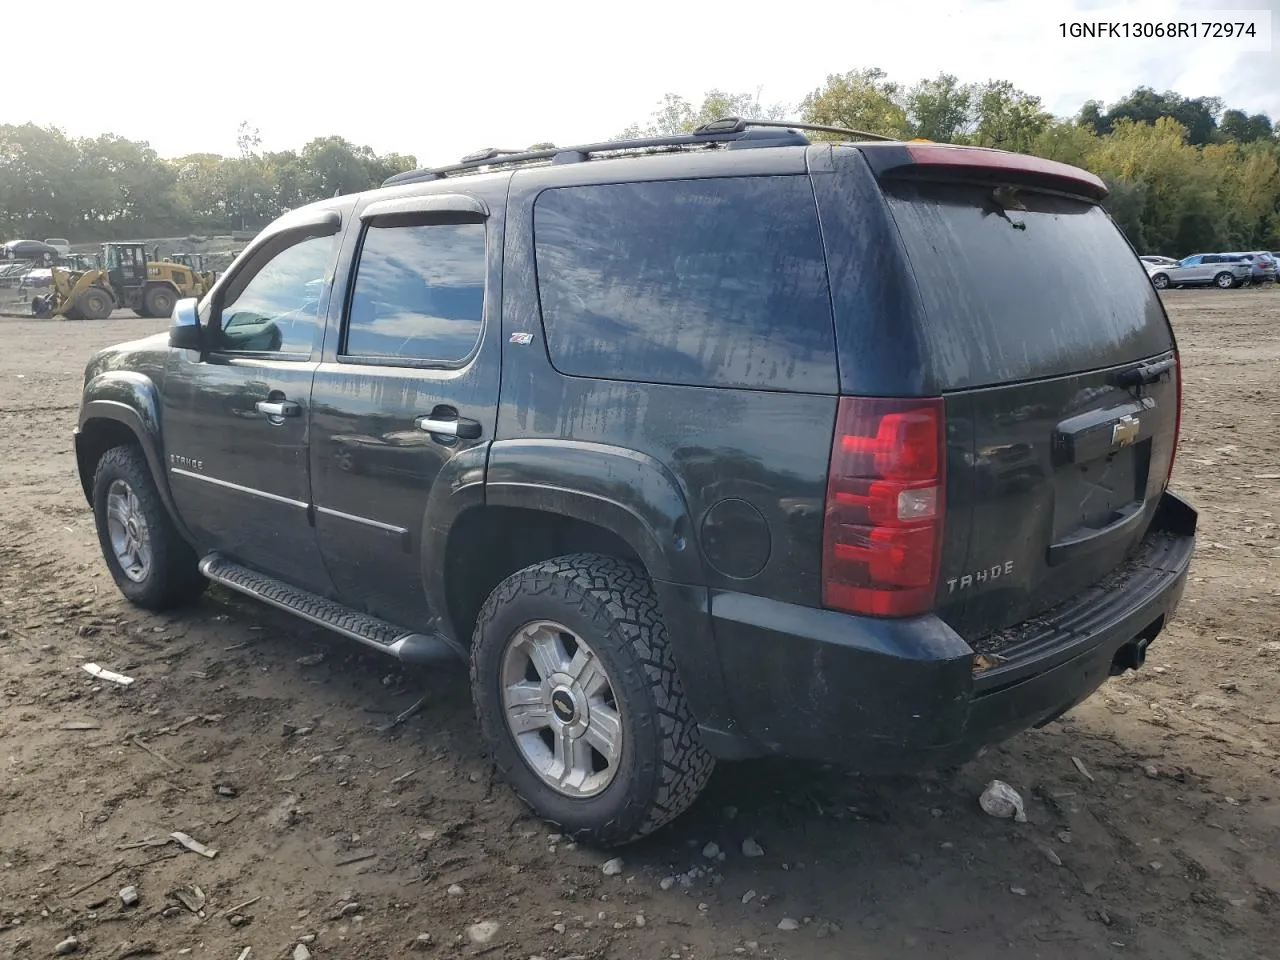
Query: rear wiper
[(1143, 374)]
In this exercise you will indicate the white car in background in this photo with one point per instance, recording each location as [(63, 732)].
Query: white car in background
[(61, 244), (1155, 263), (1222, 270)]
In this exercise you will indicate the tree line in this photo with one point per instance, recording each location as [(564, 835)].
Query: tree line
[(109, 187), (1185, 174)]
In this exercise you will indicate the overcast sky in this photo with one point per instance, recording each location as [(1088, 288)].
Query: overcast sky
[(440, 80)]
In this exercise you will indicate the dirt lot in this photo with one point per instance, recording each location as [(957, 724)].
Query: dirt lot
[(1169, 845)]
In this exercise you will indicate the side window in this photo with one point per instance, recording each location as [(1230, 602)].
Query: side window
[(278, 310), (1212, 258), (418, 293), (713, 282)]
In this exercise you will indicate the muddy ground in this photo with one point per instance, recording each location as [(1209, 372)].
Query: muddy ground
[(1169, 845)]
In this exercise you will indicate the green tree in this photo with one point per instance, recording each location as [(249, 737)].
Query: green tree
[(941, 109), (1239, 126), (677, 116), (1007, 117), (40, 188), (1066, 142), (864, 100)]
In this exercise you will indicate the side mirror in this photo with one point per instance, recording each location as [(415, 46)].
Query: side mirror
[(184, 330)]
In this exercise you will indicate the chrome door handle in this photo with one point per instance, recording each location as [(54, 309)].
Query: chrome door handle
[(457, 427), (282, 408), (446, 428)]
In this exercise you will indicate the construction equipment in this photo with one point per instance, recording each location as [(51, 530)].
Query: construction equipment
[(126, 279), (76, 295), (196, 263)]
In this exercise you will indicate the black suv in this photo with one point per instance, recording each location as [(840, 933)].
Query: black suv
[(722, 445)]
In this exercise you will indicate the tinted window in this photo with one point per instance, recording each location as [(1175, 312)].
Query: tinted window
[(1062, 293), (419, 292), (278, 310), (713, 282)]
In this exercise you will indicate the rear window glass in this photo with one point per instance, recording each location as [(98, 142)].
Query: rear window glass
[(716, 282), (1061, 294)]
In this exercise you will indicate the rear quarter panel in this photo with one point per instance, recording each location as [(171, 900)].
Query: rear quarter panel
[(749, 466)]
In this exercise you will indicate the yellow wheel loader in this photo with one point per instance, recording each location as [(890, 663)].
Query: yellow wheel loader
[(76, 295), (126, 279), (196, 263)]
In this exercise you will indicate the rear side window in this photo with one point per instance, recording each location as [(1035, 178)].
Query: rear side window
[(716, 282), (419, 293), (1062, 293)]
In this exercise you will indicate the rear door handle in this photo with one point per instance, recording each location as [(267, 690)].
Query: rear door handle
[(439, 424), (280, 408)]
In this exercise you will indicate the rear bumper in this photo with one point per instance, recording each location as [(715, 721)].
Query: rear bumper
[(902, 695)]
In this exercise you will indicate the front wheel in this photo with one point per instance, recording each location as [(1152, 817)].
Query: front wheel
[(1160, 281), (95, 303), (579, 702), (150, 562), (1225, 281)]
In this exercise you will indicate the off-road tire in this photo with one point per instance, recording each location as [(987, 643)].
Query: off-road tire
[(611, 604), (174, 578), (158, 302)]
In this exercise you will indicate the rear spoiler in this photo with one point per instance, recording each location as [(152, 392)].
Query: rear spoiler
[(936, 160)]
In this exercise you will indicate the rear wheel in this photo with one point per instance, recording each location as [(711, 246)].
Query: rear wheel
[(1160, 281), (158, 302), (150, 562), (1225, 281), (578, 699)]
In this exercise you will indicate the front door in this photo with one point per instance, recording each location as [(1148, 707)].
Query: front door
[(409, 383), (236, 428)]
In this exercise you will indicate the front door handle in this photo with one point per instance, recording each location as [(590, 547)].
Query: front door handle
[(440, 424), (278, 408)]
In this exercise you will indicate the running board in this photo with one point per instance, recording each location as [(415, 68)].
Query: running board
[(405, 645)]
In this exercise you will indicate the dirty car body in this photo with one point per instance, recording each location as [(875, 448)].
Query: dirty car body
[(787, 416)]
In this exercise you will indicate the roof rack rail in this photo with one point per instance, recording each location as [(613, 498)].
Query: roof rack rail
[(734, 124), (727, 130)]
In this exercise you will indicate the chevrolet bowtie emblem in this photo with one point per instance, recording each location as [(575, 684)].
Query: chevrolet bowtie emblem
[(1124, 431)]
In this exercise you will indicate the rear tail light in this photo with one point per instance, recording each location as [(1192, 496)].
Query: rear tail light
[(886, 489)]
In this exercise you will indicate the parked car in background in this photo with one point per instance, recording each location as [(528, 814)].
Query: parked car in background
[(1201, 269), (1263, 265), (1153, 262), (61, 244), (28, 250)]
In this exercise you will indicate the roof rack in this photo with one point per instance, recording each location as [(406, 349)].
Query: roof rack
[(729, 131)]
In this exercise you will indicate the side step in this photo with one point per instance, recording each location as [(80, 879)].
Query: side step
[(405, 645)]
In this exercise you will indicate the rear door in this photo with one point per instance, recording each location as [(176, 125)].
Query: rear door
[(1056, 363), (408, 384)]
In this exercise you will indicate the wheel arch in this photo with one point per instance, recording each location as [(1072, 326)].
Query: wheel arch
[(122, 407), (527, 501)]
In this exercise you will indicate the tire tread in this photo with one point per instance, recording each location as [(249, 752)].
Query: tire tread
[(175, 574), (624, 590)]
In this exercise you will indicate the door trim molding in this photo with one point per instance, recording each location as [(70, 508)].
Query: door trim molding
[(238, 488), (401, 532)]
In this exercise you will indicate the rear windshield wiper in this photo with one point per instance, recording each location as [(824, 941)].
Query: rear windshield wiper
[(1144, 373)]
